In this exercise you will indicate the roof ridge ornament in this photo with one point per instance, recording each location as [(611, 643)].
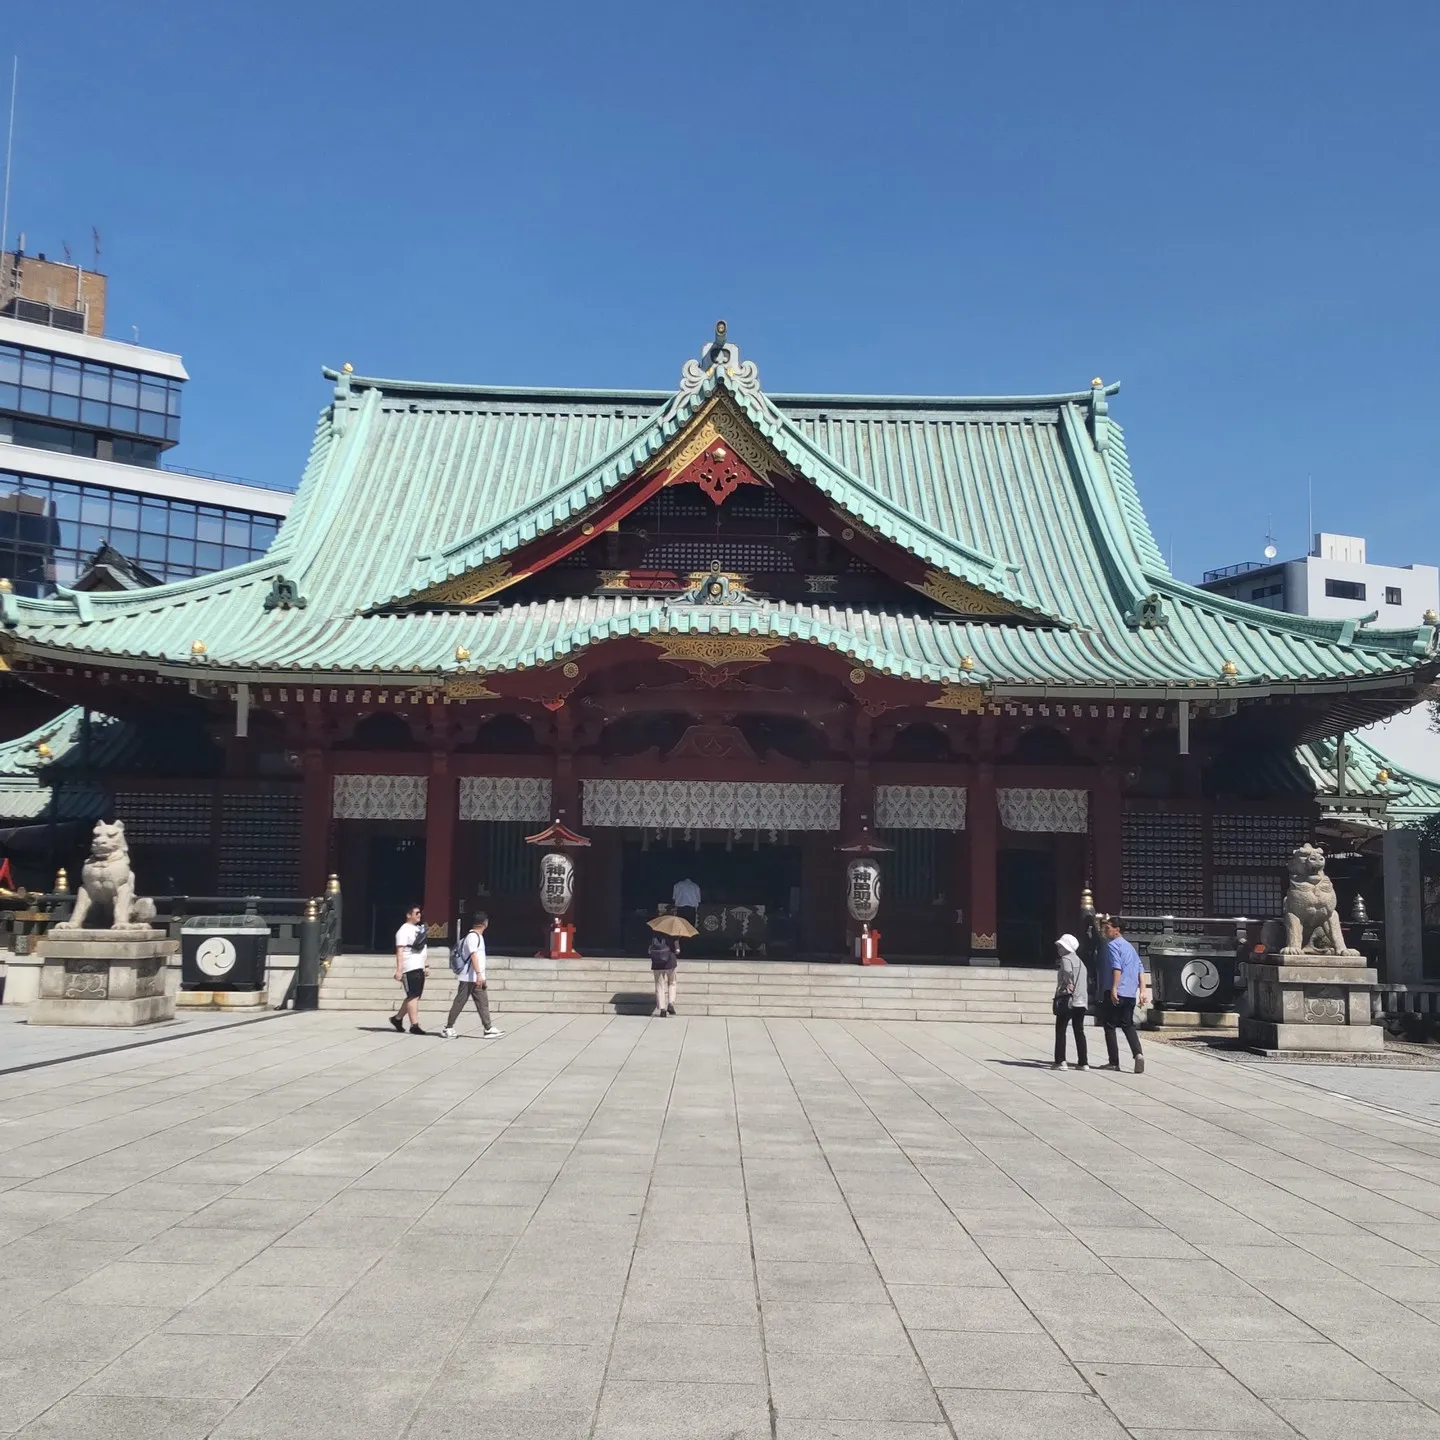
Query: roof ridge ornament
[(719, 355), (1099, 415)]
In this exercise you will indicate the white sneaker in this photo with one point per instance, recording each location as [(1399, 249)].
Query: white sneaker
[(447, 1033), (493, 1033)]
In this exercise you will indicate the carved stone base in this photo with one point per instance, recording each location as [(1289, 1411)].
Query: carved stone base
[(1316, 1007), (104, 977)]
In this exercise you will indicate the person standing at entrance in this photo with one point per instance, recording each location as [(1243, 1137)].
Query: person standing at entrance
[(411, 961), (664, 961), (1125, 989), (1069, 1002), (470, 956), (686, 898)]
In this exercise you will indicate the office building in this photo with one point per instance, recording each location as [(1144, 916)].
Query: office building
[(86, 424)]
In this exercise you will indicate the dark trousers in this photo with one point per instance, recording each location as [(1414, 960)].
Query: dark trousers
[(1075, 1019), (468, 990), (1119, 1015)]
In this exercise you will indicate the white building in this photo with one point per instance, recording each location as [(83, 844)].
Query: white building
[(1336, 581), (85, 424)]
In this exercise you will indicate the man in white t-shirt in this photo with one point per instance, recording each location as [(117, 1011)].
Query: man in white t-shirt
[(411, 955), (472, 980)]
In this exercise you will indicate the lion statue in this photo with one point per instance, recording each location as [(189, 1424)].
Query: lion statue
[(107, 890), (1312, 925)]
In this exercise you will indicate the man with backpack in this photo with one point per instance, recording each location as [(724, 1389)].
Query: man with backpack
[(468, 963)]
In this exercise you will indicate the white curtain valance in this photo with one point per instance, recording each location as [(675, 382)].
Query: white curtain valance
[(505, 797), (1063, 812), (378, 797), (711, 804), (919, 807)]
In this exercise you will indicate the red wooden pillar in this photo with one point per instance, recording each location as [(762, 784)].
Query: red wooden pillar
[(441, 803), (982, 821), (1106, 830), (315, 806)]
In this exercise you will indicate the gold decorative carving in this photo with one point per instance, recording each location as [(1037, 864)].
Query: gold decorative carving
[(715, 650), (719, 420), (469, 687), (569, 669), (960, 596), (971, 698), (981, 942), (469, 588), (857, 676)]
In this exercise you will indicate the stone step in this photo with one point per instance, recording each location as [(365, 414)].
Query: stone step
[(605, 985)]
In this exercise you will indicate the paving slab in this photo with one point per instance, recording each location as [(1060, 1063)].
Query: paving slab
[(801, 1229)]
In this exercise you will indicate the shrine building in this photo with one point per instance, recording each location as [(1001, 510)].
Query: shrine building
[(727, 636)]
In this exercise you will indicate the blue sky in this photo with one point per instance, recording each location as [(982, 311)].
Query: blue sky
[(1230, 207)]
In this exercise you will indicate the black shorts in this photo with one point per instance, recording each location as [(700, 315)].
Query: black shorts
[(414, 984)]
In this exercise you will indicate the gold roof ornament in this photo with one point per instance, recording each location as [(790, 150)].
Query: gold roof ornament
[(347, 368), (1229, 669), (197, 647), (5, 586), (967, 662), (43, 750), (1430, 617), (1382, 777), (461, 654), (1097, 383)]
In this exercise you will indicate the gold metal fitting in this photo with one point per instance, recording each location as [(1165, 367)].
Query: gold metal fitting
[(332, 885), (62, 882), (461, 654), (197, 647), (1229, 668), (1430, 617), (43, 750), (347, 368), (1097, 383), (569, 669), (857, 676), (5, 586), (967, 662), (1382, 777)]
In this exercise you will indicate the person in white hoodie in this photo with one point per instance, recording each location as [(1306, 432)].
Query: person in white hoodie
[(1069, 1002), (471, 980)]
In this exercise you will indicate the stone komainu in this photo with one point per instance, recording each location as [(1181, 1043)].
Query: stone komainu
[(107, 896), (1312, 924)]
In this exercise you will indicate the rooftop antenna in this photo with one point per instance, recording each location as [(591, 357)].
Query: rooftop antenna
[(95, 245), (1270, 548), (1310, 514), (9, 149)]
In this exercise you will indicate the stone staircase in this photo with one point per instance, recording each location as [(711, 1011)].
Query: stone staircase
[(607, 986)]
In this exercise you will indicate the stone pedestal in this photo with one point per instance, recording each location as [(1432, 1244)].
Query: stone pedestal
[(1319, 1005), (228, 1000), (104, 977)]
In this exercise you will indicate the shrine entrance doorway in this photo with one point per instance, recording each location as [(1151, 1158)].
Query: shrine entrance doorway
[(749, 893)]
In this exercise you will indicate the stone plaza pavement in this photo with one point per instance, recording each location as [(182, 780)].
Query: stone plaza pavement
[(811, 1230)]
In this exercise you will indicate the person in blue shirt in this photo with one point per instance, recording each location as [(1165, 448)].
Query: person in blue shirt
[(1125, 989)]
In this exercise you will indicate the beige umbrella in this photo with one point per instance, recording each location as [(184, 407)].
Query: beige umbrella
[(673, 925)]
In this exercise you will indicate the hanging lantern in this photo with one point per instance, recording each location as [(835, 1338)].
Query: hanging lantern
[(557, 881), (862, 890)]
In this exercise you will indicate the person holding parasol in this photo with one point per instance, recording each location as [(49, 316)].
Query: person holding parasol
[(665, 957)]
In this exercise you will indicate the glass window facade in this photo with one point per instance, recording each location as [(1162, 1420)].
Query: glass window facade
[(84, 392), (49, 530)]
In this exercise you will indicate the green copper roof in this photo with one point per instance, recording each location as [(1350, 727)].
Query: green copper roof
[(1411, 796), (26, 773), (1029, 498)]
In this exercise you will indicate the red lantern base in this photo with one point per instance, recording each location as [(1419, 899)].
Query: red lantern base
[(869, 943), (562, 942)]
